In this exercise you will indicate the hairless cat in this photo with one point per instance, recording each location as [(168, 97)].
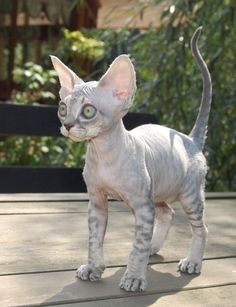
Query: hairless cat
[(148, 168)]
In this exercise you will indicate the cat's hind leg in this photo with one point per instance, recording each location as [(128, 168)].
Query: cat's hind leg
[(163, 218), (134, 278), (193, 205)]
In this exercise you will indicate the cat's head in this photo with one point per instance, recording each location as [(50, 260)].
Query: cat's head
[(87, 109)]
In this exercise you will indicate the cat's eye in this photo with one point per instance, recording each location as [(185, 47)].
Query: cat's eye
[(62, 109), (89, 111)]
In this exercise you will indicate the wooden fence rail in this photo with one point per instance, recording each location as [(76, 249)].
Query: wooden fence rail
[(43, 121)]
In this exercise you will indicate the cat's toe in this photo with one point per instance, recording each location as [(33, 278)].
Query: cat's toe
[(187, 266), (133, 284), (85, 272)]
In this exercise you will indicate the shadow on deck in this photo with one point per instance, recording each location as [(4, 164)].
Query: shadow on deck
[(44, 240)]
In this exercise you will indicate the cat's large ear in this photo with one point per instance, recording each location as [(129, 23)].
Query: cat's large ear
[(68, 79), (120, 78)]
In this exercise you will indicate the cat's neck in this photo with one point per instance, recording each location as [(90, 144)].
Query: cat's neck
[(109, 145)]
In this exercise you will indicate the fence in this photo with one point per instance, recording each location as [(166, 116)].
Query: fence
[(43, 121)]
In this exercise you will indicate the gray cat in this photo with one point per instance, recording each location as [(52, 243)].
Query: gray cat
[(148, 167)]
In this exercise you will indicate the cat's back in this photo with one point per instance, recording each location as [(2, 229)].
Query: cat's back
[(161, 136), (167, 142)]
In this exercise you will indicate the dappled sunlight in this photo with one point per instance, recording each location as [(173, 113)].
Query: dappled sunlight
[(44, 204)]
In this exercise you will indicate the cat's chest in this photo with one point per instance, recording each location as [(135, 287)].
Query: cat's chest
[(106, 178), (118, 173), (104, 174)]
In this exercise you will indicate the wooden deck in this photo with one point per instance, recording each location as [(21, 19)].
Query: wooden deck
[(43, 239)]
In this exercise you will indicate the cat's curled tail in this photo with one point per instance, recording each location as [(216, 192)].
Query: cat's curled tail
[(199, 130)]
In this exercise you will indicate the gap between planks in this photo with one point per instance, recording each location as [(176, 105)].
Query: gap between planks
[(112, 266), (197, 297), (127, 296), (63, 288), (74, 197)]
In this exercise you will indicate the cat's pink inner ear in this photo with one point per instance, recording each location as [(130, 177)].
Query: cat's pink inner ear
[(122, 95), (120, 78)]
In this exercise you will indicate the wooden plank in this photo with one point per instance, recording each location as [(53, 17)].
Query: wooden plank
[(208, 297), (43, 120), (221, 195), (46, 242), (63, 287), (55, 207), (17, 179), (37, 197), (133, 120), (77, 206), (28, 120), (114, 16)]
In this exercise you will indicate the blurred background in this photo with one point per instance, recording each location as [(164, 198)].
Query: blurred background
[(88, 35)]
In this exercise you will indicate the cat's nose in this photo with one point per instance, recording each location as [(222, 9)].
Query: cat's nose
[(68, 126)]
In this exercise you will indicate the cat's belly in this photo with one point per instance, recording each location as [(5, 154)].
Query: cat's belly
[(158, 195), (113, 187), (167, 181), (155, 166), (168, 155), (113, 194), (169, 199)]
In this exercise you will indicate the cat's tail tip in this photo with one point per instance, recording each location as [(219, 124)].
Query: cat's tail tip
[(196, 34), (199, 130)]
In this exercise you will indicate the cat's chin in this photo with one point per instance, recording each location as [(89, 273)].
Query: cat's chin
[(80, 139), (76, 139)]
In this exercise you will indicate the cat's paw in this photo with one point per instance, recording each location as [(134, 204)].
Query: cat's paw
[(133, 284), (86, 272), (187, 266)]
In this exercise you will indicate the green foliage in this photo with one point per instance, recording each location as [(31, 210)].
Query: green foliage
[(34, 84), (76, 48), (38, 85), (169, 83), (76, 43), (41, 151)]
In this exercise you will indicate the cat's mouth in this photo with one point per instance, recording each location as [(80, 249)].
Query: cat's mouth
[(75, 134)]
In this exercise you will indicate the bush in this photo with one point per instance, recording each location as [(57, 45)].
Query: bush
[(38, 85), (34, 84), (169, 84), (47, 151)]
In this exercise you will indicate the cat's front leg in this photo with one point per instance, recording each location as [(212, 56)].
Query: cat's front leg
[(97, 222), (134, 278)]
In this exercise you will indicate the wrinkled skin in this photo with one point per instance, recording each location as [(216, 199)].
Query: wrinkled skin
[(148, 168)]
